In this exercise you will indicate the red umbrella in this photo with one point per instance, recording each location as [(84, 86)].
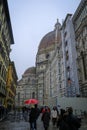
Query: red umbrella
[(31, 101)]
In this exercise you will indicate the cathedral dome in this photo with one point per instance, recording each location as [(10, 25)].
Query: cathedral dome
[(47, 40), (31, 70), (50, 38)]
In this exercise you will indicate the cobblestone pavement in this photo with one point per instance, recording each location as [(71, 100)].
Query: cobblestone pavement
[(17, 122)]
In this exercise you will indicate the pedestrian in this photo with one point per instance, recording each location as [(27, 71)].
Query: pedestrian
[(61, 122), (54, 115), (43, 109), (73, 121), (36, 116), (68, 121), (33, 116), (46, 119)]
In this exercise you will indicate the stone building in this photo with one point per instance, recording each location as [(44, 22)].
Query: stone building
[(80, 27), (11, 84), (60, 69), (54, 79), (60, 76), (55, 66), (44, 55), (26, 87), (19, 98), (69, 57), (6, 39), (54, 85)]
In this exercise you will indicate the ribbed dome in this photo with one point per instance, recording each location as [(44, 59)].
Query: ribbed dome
[(31, 70), (47, 40), (50, 38)]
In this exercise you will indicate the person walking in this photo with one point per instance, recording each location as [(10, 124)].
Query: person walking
[(34, 113), (54, 116), (46, 119), (68, 121), (73, 121), (32, 118), (37, 110), (61, 123)]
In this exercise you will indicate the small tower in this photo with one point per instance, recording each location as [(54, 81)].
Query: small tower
[(57, 32)]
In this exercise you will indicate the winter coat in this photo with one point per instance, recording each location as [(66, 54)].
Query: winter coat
[(73, 122), (54, 114), (46, 119), (61, 123)]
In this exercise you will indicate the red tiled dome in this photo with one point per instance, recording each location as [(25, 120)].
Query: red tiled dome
[(31, 70), (49, 40)]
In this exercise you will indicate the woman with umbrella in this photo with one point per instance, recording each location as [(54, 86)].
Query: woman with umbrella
[(34, 113)]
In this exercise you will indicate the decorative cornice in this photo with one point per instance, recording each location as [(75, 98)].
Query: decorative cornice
[(78, 10), (80, 29)]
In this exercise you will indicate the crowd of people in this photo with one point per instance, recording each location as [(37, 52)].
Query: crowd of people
[(61, 119)]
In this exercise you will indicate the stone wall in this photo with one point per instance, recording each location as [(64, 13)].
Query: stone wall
[(78, 104)]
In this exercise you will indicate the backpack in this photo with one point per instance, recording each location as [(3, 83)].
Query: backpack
[(78, 122)]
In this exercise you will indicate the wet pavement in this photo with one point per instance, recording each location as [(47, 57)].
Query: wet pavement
[(84, 124), (17, 122)]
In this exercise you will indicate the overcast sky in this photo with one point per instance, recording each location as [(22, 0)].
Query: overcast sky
[(31, 20)]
